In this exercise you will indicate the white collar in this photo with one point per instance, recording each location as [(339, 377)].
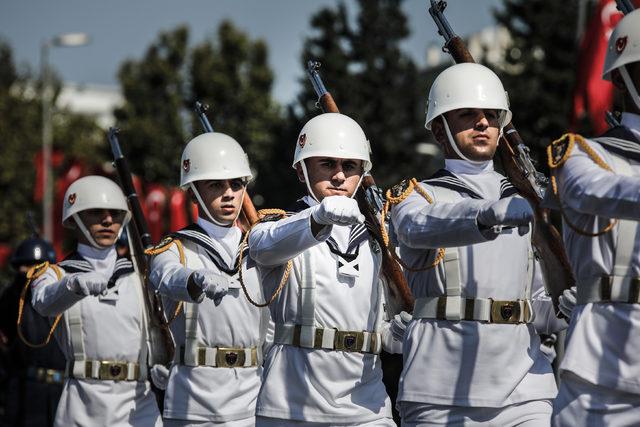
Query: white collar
[(102, 260), (310, 200), (217, 232), (468, 168)]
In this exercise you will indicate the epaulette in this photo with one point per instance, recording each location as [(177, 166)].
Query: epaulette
[(559, 150), (400, 189), (267, 215), (37, 270), (163, 246)]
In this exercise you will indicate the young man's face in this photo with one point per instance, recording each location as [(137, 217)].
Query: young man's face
[(223, 198), (634, 73), (474, 130), (330, 176), (103, 224)]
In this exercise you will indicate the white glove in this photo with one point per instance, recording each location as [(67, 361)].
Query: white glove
[(91, 283), (508, 212), (213, 284), (160, 376), (338, 210), (399, 324), (567, 301)]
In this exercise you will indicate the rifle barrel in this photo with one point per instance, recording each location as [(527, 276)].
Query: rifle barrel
[(201, 109)]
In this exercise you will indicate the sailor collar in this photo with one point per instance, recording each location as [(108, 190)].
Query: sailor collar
[(446, 179)]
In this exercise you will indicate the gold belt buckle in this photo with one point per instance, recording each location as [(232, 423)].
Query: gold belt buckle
[(116, 371), (348, 340), (505, 311), (227, 357)]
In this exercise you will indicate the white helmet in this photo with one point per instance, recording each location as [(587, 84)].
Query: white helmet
[(467, 85), (623, 49), (215, 156), (333, 135), (92, 192)]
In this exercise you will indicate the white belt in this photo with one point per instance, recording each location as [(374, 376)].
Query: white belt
[(223, 357), (478, 309), (105, 370), (327, 338), (623, 289)]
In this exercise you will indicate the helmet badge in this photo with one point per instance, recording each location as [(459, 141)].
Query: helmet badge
[(72, 198), (302, 140), (621, 43), (186, 165)]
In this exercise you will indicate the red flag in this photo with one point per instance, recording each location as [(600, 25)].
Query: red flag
[(178, 205), (593, 96), (155, 202)]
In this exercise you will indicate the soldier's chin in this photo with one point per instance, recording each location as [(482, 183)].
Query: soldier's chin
[(105, 242)]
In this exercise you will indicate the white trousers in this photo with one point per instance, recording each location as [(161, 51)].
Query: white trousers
[(533, 413), (581, 403), (278, 422), (245, 422)]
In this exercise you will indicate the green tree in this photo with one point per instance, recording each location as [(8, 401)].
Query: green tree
[(540, 67), (153, 129), (229, 72), (77, 136), (373, 81)]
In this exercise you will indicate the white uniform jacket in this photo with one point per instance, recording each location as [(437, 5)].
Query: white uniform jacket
[(109, 327), (204, 392), (470, 363), (321, 385), (602, 345)]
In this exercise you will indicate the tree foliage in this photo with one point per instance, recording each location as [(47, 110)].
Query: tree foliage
[(540, 67), (373, 81)]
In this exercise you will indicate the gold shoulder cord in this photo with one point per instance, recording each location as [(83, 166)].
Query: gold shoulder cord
[(570, 139), (412, 184), (164, 246), (263, 213), (33, 273)]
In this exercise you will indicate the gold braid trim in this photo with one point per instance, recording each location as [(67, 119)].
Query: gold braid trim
[(32, 274), (164, 246), (571, 139), (262, 215), (394, 200)]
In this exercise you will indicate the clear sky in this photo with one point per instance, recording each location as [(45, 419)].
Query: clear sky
[(122, 29)]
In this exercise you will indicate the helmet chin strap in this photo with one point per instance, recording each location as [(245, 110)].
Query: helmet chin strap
[(306, 181), (630, 86), (206, 209), (86, 233), (454, 146)]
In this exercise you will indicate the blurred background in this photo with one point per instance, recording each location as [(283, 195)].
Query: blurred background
[(69, 69)]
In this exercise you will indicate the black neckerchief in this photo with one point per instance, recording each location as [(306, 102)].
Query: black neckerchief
[(196, 234), (357, 234), (622, 141), (75, 263), (446, 179)]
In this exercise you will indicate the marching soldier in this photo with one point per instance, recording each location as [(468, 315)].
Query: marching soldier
[(96, 298), (323, 270), (34, 376), (472, 353), (216, 374), (597, 183)]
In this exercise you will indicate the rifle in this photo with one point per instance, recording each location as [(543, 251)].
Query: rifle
[(518, 167), (369, 202), (248, 210), (162, 344)]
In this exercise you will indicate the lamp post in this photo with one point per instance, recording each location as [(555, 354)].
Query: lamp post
[(60, 40)]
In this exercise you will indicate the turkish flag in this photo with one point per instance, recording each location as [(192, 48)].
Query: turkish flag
[(593, 96)]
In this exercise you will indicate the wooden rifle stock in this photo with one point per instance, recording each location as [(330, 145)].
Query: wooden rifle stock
[(390, 267), (249, 211), (546, 239), (163, 346)]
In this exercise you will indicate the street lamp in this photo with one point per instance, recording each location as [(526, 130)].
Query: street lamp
[(60, 40)]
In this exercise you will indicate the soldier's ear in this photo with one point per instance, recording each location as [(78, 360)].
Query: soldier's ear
[(617, 80), (299, 172), (192, 196), (437, 129)]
